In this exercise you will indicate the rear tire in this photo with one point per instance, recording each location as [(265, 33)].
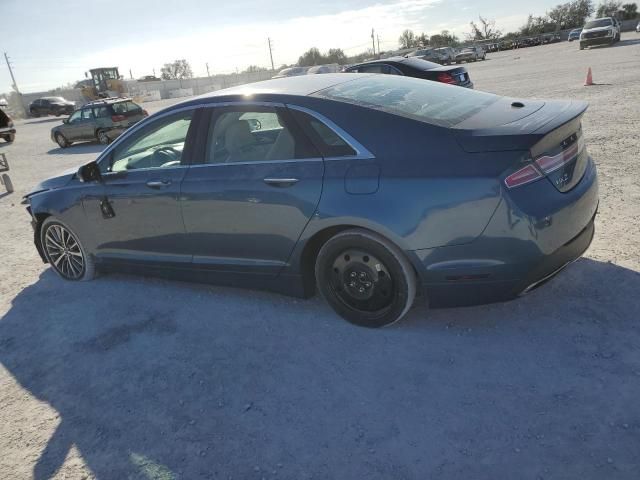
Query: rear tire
[(102, 137), (35, 114), (365, 278), (62, 141), (64, 251)]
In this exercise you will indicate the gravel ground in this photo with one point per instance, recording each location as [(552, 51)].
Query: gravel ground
[(136, 378)]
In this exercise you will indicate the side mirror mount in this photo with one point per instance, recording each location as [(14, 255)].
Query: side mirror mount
[(89, 173)]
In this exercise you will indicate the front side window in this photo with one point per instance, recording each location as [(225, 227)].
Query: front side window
[(241, 135), (74, 117), (87, 114), (158, 145)]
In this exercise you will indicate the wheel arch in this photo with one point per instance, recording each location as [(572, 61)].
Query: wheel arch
[(39, 220), (312, 245)]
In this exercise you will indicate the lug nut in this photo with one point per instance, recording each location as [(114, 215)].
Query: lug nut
[(361, 290), (353, 274)]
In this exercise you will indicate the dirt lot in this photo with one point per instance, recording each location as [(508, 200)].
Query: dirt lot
[(139, 378)]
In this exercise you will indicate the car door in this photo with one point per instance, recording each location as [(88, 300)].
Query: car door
[(44, 107), (134, 212), (87, 126), (71, 129), (252, 191)]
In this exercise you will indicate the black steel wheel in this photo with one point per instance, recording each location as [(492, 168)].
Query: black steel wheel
[(365, 278), (65, 252)]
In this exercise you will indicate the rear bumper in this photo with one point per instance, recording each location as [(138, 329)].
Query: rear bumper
[(521, 248)]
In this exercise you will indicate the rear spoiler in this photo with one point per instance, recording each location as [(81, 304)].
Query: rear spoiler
[(528, 133)]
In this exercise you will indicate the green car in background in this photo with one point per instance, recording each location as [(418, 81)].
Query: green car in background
[(102, 120)]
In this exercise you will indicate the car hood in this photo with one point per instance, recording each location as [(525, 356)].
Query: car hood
[(52, 183), (597, 29)]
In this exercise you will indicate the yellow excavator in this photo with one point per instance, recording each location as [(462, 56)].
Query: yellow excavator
[(105, 82)]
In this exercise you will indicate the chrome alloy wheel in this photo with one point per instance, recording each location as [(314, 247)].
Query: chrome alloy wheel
[(64, 252)]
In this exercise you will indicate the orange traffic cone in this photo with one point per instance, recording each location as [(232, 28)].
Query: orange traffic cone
[(589, 80)]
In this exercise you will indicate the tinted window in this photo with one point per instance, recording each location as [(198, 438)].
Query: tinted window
[(87, 114), (604, 22), (329, 142), (158, 145), (101, 112), (254, 136), (124, 107), (372, 69), (75, 116), (429, 102)]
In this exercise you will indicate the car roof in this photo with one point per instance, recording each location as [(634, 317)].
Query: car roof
[(107, 101), (301, 85), (413, 62)]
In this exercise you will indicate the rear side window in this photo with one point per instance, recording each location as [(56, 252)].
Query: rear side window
[(429, 102), (254, 135), (87, 114), (329, 142), (124, 107)]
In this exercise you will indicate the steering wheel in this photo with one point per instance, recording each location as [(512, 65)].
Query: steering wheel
[(166, 156)]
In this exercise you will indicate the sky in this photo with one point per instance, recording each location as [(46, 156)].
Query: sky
[(54, 43)]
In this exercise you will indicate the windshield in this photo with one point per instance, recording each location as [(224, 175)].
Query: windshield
[(603, 22), (429, 102)]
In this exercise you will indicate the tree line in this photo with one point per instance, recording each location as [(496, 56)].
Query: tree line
[(572, 14)]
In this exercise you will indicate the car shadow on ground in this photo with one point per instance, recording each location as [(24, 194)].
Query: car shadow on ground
[(157, 379), (627, 42), (77, 148)]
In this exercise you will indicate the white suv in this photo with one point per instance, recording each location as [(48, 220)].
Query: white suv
[(601, 31)]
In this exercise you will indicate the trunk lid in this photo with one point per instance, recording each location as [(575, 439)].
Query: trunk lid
[(549, 134)]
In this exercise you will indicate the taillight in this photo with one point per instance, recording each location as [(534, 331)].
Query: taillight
[(523, 176), (145, 113), (445, 77), (550, 163), (118, 118)]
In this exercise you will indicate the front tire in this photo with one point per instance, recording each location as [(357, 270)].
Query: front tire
[(64, 251), (581, 46), (62, 141), (10, 138), (365, 278)]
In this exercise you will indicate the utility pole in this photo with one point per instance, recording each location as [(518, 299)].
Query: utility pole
[(13, 79), (378, 37), (373, 41), (208, 74), (154, 72), (15, 85), (273, 68), (130, 74)]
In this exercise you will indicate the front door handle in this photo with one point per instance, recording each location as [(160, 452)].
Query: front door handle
[(281, 182), (158, 183)]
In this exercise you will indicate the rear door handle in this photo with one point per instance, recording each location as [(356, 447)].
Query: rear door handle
[(281, 182), (158, 183)]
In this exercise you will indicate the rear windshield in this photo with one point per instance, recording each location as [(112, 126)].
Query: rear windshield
[(603, 22), (124, 107), (426, 101)]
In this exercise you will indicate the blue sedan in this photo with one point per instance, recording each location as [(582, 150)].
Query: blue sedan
[(372, 189)]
